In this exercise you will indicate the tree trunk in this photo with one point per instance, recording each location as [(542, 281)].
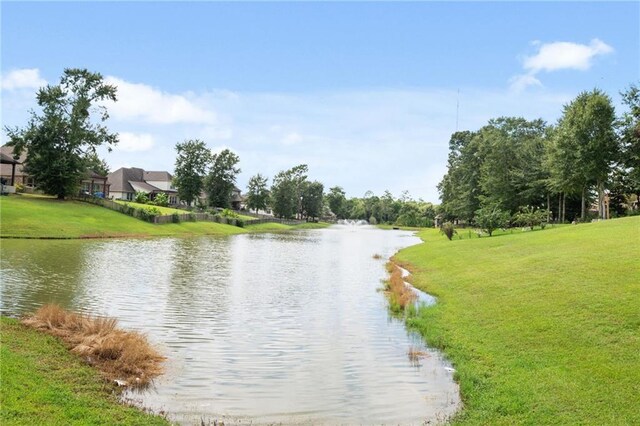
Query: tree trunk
[(601, 210), (583, 212), (60, 196), (564, 206), (548, 207), (559, 212)]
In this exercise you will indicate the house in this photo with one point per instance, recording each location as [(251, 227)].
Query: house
[(13, 173), (125, 182), (237, 200), (95, 184)]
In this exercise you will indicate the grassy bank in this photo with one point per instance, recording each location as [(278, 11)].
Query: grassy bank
[(543, 327), (44, 384), (43, 217), (39, 217)]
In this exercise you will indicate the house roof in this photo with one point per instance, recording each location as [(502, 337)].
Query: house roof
[(8, 151), (133, 179), (120, 179), (143, 186), (7, 159), (157, 176)]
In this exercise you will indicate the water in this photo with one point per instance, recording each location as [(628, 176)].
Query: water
[(259, 328)]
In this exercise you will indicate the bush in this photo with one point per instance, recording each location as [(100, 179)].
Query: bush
[(162, 200), (229, 213), (240, 223), (175, 218), (490, 218), (530, 217), (148, 213), (19, 187), (141, 197), (192, 217), (448, 229), (373, 220)]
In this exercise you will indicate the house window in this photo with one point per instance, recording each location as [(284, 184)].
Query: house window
[(85, 186), (173, 199), (129, 196)]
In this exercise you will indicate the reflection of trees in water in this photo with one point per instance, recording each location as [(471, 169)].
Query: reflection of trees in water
[(37, 272)]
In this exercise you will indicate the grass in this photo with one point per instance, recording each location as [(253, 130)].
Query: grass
[(120, 355), (542, 327), (44, 384), (40, 217), (163, 210)]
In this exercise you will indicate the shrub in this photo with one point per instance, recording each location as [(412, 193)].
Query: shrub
[(448, 229), (530, 216), (192, 217), (490, 218), (240, 223), (148, 213), (373, 220), (19, 187), (162, 200), (229, 213), (175, 218), (141, 197)]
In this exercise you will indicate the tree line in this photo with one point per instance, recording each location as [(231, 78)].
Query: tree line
[(512, 165)]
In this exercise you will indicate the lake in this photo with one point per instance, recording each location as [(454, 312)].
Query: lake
[(257, 328)]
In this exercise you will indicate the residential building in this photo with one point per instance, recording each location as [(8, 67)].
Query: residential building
[(125, 182)]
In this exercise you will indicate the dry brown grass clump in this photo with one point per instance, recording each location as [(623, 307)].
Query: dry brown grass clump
[(120, 355), (377, 256), (399, 294)]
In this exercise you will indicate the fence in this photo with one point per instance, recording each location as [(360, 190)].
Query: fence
[(180, 217)]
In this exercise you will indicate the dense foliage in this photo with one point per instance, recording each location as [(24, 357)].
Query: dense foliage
[(192, 160), (532, 169), (61, 142)]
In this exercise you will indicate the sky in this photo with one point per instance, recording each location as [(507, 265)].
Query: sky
[(367, 94)]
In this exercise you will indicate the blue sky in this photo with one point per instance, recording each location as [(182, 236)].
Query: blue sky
[(364, 93)]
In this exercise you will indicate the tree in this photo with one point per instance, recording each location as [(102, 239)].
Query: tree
[(586, 133), (96, 164), (257, 193), (312, 198), (283, 199), (221, 179), (630, 135), (59, 141), (191, 168), (287, 191), (337, 201)]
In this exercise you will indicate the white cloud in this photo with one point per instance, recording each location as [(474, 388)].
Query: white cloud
[(519, 83), (26, 78), (132, 142), (566, 55), (140, 102), (559, 55)]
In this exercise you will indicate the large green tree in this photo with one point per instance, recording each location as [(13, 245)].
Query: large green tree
[(312, 200), (60, 140), (587, 138), (221, 179), (257, 193), (630, 136), (192, 161), (336, 198)]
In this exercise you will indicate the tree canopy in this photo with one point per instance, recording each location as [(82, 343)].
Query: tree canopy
[(192, 161), (61, 141), (221, 180)]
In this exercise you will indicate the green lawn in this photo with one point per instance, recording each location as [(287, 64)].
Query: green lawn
[(38, 217), (44, 384), (543, 327), (163, 210)]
